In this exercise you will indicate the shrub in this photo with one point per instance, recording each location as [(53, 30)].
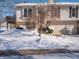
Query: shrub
[(50, 31), (47, 30)]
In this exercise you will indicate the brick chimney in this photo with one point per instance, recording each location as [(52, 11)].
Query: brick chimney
[(51, 1)]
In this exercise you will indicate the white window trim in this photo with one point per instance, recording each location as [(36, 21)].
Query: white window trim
[(72, 11), (22, 13)]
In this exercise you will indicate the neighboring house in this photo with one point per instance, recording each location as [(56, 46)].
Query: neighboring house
[(2, 22), (11, 22), (64, 17)]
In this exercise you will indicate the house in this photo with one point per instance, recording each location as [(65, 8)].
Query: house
[(64, 17), (10, 22)]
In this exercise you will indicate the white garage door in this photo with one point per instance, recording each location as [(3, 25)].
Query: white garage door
[(65, 27)]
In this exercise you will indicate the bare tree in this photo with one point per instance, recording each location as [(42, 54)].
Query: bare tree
[(6, 7), (41, 19)]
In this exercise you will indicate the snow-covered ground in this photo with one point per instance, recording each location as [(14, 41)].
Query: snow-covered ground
[(25, 39), (2, 29)]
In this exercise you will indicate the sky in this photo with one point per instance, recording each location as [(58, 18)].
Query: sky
[(35, 1), (46, 0)]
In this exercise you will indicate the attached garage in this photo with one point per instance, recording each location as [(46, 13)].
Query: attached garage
[(64, 27)]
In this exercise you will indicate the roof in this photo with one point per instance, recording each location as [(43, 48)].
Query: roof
[(67, 3), (34, 4)]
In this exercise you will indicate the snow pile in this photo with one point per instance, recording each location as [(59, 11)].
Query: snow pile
[(51, 42), (25, 39), (18, 32), (2, 30), (51, 27)]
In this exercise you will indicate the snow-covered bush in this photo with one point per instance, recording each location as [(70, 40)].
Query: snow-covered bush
[(51, 27)]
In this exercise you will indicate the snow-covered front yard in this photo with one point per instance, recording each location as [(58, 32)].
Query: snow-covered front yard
[(16, 39)]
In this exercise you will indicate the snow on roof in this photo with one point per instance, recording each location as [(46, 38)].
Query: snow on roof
[(68, 3), (34, 4), (30, 4)]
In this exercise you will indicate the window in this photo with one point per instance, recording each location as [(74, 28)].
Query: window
[(76, 12), (73, 12), (70, 12), (56, 12), (25, 12), (52, 12), (29, 12), (58, 15)]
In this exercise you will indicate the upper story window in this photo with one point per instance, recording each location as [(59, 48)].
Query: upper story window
[(29, 12), (56, 12), (26, 12), (73, 12)]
